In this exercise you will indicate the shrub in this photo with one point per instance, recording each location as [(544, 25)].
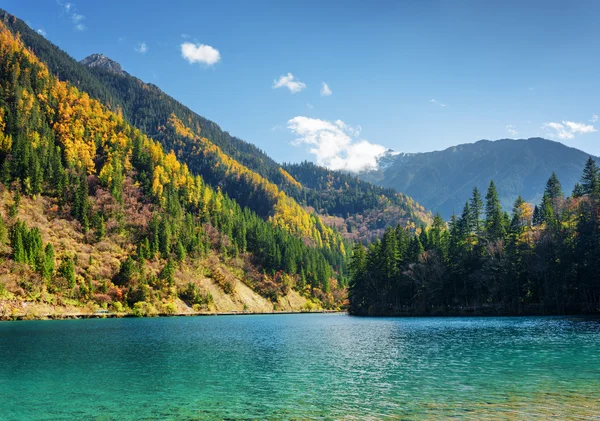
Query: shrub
[(226, 285), (142, 308), (171, 308), (193, 294)]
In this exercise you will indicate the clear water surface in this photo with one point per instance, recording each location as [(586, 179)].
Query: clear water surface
[(296, 367)]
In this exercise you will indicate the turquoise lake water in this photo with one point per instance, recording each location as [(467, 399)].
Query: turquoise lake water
[(313, 366)]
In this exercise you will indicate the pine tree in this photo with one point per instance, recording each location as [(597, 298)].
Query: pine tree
[(168, 273), (5, 172), (476, 206), (494, 219), (416, 248), (553, 187), (67, 271), (19, 252), (164, 238), (81, 202), (181, 253), (389, 251), (578, 191), (3, 233), (465, 223), (358, 293), (537, 216), (590, 180), (551, 200), (126, 271), (100, 227), (436, 234), (49, 263), (520, 214), (14, 208)]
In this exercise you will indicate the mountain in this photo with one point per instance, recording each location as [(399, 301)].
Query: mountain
[(356, 208), (100, 61), (204, 147), (443, 180), (97, 214)]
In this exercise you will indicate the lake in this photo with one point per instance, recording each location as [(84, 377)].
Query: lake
[(296, 367)]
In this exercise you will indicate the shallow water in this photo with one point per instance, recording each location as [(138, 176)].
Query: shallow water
[(281, 367)]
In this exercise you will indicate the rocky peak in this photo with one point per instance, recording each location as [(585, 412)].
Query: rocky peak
[(103, 62)]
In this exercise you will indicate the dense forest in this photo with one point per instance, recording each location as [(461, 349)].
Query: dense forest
[(95, 171), (542, 259), (365, 209)]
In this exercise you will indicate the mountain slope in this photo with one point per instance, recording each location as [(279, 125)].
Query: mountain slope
[(367, 209), (148, 108), (441, 180), (97, 212)]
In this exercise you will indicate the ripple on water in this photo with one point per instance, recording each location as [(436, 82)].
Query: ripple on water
[(287, 367)]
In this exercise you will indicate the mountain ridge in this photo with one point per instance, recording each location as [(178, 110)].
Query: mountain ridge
[(147, 107), (440, 180)]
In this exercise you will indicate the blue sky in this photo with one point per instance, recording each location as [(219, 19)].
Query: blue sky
[(412, 76)]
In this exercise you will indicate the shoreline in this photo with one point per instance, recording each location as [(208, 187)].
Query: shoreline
[(466, 314), (81, 316), (76, 316)]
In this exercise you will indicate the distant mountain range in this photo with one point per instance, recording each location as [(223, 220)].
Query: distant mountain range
[(443, 180)]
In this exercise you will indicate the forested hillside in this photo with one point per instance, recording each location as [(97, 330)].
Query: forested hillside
[(440, 180), (542, 259), (149, 109), (149, 226), (366, 209)]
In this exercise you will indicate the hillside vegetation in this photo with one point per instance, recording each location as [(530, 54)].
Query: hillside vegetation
[(134, 219), (204, 144)]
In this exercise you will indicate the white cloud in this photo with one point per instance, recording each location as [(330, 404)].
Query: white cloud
[(141, 48), (579, 127), (436, 102), (200, 53), (325, 91), (512, 130), (75, 17), (288, 81), (594, 118), (568, 129), (41, 32), (310, 106), (335, 145)]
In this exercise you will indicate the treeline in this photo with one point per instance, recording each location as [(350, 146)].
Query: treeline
[(542, 259), (114, 180)]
